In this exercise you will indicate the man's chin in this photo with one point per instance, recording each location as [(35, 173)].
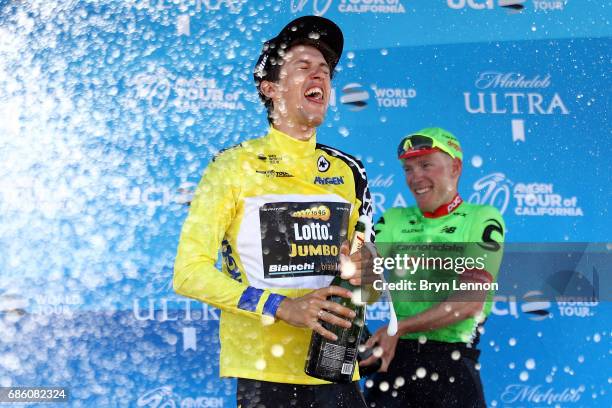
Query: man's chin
[(425, 206), (315, 120)]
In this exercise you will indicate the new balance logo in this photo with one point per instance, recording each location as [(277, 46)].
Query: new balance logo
[(449, 230)]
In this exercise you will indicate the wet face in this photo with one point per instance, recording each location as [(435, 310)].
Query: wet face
[(301, 95), (432, 179)]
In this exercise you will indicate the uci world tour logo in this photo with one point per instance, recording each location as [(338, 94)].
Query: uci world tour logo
[(355, 96)]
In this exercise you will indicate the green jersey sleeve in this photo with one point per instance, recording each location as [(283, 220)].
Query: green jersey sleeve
[(486, 237)]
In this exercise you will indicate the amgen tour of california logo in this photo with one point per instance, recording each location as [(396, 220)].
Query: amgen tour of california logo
[(316, 213), (320, 7), (161, 89), (531, 199), (492, 189), (166, 397)]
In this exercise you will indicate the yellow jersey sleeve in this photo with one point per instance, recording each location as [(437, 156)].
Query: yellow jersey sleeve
[(195, 275)]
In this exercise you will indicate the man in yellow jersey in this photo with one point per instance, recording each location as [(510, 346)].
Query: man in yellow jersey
[(433, 359), (281, 208)]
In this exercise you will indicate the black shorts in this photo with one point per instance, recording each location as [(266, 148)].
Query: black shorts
[(428, 376), (259, 394)]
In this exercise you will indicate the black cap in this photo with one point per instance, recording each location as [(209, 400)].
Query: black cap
[(314, 31)]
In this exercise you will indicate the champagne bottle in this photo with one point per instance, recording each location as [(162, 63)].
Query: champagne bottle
[(335, 360)]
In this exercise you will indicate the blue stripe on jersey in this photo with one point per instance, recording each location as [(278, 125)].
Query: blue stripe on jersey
[(272, 304), (249, 299)]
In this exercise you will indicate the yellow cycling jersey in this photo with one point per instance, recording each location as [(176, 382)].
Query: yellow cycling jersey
[(279, 209)]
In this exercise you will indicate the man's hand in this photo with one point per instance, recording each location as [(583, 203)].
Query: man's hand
[(358, 265), (308, 310), (384, 348)]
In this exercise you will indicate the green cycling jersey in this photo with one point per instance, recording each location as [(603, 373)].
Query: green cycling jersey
[(480, 231)]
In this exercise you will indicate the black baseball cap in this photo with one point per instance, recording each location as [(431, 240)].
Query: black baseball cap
[(316, 31)]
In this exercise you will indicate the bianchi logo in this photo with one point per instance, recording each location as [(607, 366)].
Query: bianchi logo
[(531, 199), (296, 268), (320, 7)]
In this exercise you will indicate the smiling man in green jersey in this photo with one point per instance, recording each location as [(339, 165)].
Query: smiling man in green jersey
[(435, 348), (281, 208)]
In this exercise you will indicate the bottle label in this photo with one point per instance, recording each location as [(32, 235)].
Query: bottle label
[(338, 358), (333, 356), (347, 368)]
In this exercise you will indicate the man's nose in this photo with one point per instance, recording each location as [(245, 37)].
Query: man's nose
[(318, 72), (414, 175)]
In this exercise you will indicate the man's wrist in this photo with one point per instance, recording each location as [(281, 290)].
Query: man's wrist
[(272, 304)]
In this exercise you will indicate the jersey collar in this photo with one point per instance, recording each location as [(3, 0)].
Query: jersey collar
[(444, 209), (292, 146)]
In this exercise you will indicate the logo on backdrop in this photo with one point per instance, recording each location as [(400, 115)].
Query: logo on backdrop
[(534, 306), (517, 5), (62, 304), (378, 184), (162, 89), (531, 305), (530, 199), (197, 6), (166, 398), (549, 5), (378, 311), (542, 395), (570, 307), (514, 94), (173, 308), (12, 308), (356, 96), (153, 196), (320, 7)]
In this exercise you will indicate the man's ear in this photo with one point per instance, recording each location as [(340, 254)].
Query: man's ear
[(268, 88), (457, 167)]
